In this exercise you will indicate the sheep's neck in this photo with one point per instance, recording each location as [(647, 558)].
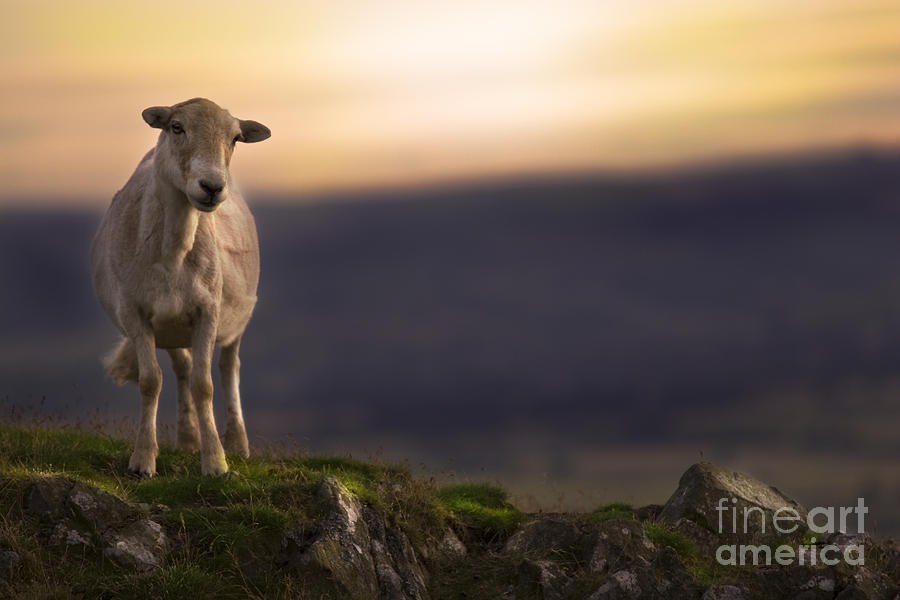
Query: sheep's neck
[(180, 230), (180, 221)]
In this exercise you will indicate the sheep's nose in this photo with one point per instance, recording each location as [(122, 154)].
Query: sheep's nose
[(212, 188)]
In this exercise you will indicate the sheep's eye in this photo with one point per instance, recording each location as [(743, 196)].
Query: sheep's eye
[(236, 139), (177, 128)]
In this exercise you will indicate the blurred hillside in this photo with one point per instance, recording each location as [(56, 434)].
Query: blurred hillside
[(563, 332)]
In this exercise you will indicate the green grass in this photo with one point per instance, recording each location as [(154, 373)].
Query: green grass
[(614, 510), (481, 506), (664, 535), (226, 526), (704, 572)]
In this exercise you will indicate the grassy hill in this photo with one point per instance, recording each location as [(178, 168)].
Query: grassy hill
[(226, 526), (290, 525)]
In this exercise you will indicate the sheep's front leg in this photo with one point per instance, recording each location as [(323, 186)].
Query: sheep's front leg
[(143, 459), (212, 456), (188, 430), (230, 371)]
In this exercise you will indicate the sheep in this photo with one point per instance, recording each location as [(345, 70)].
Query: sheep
[(175, 265)]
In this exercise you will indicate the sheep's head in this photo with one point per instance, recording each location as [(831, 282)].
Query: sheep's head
[(195, 147)]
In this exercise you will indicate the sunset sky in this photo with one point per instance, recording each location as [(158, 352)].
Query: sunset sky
[(402, 92)]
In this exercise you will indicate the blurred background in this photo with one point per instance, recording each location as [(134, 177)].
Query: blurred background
[(572, 247)]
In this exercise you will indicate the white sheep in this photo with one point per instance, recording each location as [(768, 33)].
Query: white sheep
[(175, 265)]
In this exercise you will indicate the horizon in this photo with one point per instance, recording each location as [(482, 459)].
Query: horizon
[(407, 96), (417, 191)]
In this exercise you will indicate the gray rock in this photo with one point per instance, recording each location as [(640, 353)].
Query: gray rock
[(795, 582), (65, 534), (451, 546), (47, 495), (76, 514), (649, 512), (704, 487), (664, 577), (622, 585), (353, 552), (542, 536), (614, 545), (541, 580), (669, 578), (866, 584), (140, 545), (725, 592)]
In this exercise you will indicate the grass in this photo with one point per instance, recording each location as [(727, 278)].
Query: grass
[(481, 506), (226, 525), (704, 571), (227, 528), (614, 510)]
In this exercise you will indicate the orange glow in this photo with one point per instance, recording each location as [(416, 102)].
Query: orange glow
[(401, 92)]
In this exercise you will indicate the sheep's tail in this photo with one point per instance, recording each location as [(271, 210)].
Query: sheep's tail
[(121, 363)]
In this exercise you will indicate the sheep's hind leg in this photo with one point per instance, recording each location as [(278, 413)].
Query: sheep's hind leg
[(230, 370), (188, 429), (143, 459)]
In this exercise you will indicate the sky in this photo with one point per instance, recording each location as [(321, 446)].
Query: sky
[(409, 92)]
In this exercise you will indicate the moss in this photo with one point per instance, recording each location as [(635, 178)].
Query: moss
[(481, 506)]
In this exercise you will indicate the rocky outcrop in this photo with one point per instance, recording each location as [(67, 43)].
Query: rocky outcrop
[(345, 548), (716, 506), (353, 551), (74, 514), (669, 552), (542, 536)]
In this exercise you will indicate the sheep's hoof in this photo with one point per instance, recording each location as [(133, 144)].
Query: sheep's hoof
[(142, 466), (216, 468), (140, 473)]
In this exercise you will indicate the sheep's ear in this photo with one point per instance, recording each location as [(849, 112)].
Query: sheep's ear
[(251, 131), (157, 116)]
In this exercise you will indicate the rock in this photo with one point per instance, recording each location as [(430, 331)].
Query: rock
[(65, 534), (669, 578), (541, 580), (620, 586), (704, 487), (614, 544), (725, 592), (451, 546), (542, 536), (795, 582), (353, 552), (664, 577), (866, 584), (9, 560), (76, 514), (649, 512), (893, 567), (137, 545)]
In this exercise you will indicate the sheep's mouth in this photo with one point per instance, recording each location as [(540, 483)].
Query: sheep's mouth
[(205, 204)]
